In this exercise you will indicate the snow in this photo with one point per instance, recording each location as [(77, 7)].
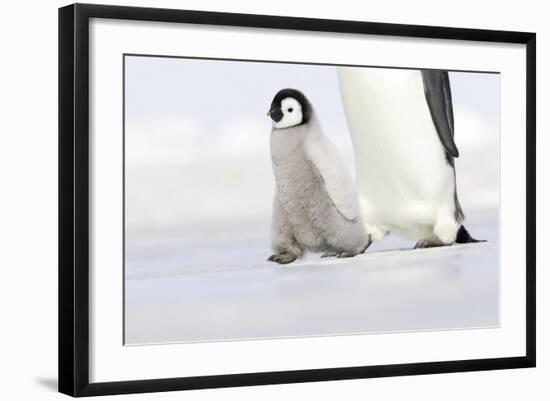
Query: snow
[(213, 283)]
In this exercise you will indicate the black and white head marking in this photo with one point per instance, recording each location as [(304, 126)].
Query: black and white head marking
[(289, 108)]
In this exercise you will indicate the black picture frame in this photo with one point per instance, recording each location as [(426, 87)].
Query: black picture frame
[(74, 201)]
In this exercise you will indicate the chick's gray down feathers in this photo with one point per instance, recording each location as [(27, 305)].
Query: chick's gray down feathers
[(315, 206)]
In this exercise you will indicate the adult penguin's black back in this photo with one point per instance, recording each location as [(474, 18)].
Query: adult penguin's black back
[(437, 89)]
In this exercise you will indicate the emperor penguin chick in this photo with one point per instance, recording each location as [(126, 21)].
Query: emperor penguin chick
[(315, 207)]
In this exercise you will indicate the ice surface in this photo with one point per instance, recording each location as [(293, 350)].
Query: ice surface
[(213, 283)]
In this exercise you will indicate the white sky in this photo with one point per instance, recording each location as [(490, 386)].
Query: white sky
[(197, 136)]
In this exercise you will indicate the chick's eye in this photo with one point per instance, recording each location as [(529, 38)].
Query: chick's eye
[(290, 110)]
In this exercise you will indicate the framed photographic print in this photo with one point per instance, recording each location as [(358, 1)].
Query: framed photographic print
[(249, 199)]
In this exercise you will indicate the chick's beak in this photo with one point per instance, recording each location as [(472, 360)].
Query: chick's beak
[(276, 114)]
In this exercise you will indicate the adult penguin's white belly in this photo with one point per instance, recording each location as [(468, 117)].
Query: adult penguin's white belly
[(405, 182)]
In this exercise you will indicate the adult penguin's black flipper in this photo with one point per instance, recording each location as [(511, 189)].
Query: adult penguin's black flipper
[(437, 90)]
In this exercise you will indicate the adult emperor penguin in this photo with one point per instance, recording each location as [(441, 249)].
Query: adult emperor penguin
[(402, 128), (315, 205)]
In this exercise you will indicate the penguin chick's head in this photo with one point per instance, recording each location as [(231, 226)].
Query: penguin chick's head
[(289, 108)]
